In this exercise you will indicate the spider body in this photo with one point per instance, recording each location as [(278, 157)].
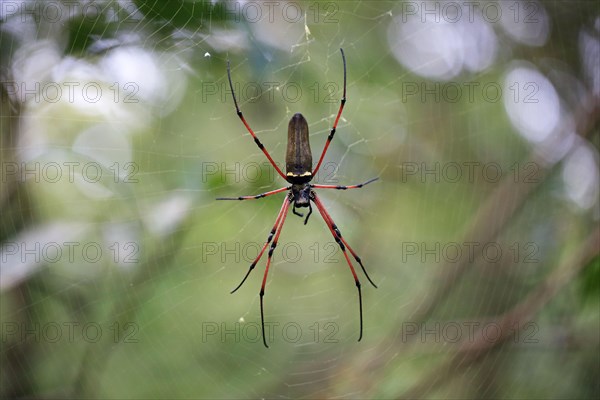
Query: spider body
[(301, 197), (298, 163), (299, 173), (298, 158)]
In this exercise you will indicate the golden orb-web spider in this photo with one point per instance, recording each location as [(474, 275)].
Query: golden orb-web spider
[(299, 173)]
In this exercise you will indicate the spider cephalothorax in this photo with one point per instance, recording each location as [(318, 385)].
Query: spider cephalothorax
[(301, 197), (299, 173)]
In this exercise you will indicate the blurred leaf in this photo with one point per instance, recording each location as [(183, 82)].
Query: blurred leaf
[(590, 282), (178, 14), (89, 33)]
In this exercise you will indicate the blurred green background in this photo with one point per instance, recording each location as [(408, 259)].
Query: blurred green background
[(118, 131)]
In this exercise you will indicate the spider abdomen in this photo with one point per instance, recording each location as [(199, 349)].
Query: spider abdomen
[(298, 159)]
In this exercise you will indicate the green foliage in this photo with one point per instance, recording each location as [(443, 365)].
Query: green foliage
[(590, 281)]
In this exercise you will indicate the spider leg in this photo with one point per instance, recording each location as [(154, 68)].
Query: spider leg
[(340, 187), (342, 243), (337, 118), (258, 196), (239, 114), (309, 212), (302, 215), (330, 222), (284, 211), (296, 212), (257, 259)]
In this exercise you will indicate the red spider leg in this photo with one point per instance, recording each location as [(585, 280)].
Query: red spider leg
[(340, 187), (257, 259), (339, 114), (258, 196), (338, 239), (284, 211), (258, 143), (339, 234)]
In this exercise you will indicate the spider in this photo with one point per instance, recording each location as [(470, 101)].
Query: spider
[(299, 173)]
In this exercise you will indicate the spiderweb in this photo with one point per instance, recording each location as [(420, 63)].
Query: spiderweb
[(478, 125)]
